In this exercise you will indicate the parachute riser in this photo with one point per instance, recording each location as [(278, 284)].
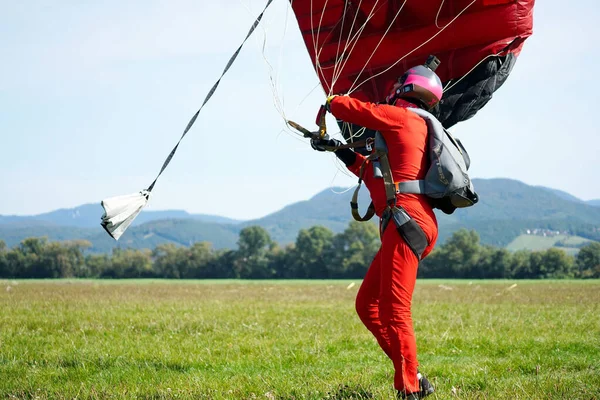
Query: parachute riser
[(320, 121)]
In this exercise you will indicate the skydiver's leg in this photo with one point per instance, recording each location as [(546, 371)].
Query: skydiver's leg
[(367, 304), (398, 277)]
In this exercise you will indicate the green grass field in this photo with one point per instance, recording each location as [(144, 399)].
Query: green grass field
[(292, 340)]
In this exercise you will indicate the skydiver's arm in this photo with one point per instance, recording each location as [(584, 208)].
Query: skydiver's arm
[(354, 167), (347, 156), (373, 116), (350, 158)]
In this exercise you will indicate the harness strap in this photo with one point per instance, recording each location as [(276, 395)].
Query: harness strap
[(388, 180), (416, 187), (354, 208), (380, 156), (354, 202)]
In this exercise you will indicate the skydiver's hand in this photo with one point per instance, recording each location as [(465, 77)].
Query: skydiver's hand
[(328, 102), (323, 144)]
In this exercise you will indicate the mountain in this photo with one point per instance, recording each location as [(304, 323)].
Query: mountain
[(88, 216), (507, 208), (182, 232), (329, 208), (562, 194), (570, 197)]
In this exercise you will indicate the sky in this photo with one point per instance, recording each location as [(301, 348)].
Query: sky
[(94, 95)]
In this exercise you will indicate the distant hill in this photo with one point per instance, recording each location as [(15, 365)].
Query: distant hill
[(182, 232), (88, 216), (329, 208), (562, 194), (570, 197), (507, 208)]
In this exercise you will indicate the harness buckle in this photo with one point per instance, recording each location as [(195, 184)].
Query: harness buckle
[(369, 144)]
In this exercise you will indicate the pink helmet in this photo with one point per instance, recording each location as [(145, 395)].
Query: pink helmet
[(419, 83)]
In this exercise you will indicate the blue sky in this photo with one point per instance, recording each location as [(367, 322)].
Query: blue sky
[(93, 95)]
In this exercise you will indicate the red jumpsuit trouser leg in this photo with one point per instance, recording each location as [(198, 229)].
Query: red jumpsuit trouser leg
[(384, 302)]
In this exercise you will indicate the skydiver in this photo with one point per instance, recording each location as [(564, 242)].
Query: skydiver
[(383, 302)]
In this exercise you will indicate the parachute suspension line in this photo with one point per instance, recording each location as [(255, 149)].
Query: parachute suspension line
[(278, 100), (328, 36), (318, 53), (337, 53), (285, 26), (343, 191), (316, 39), (337, 50), (379, 43), (339, 169), (210, 94), (415, 49), (324, 41), (287, 128), (353, 135), (308, 95), (437, 16), (355, 40)]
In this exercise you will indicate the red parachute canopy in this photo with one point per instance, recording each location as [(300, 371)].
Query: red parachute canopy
[(363, 46)]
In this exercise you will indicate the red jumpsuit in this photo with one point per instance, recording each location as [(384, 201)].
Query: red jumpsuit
[(384, 299)]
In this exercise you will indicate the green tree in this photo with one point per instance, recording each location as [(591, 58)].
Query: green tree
[(130, 263), (588, 261), (353, 250), (170, 261), (4, 272), (30, 263), (556, 264), (252, 257), (493, 263), (457, 258), (309, 257), (201, 262), (15, 264), (520, 265), (223, 266), (96, 264), (462, 252), (56, 261), (76, 249)]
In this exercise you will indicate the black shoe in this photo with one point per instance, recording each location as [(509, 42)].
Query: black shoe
[(411, 396), (425, 389)]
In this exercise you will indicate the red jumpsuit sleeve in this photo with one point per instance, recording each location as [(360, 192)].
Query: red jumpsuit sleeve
[(358, 162), (373, 116)]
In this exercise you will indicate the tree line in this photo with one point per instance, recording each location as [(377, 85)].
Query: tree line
[(317, 253)]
